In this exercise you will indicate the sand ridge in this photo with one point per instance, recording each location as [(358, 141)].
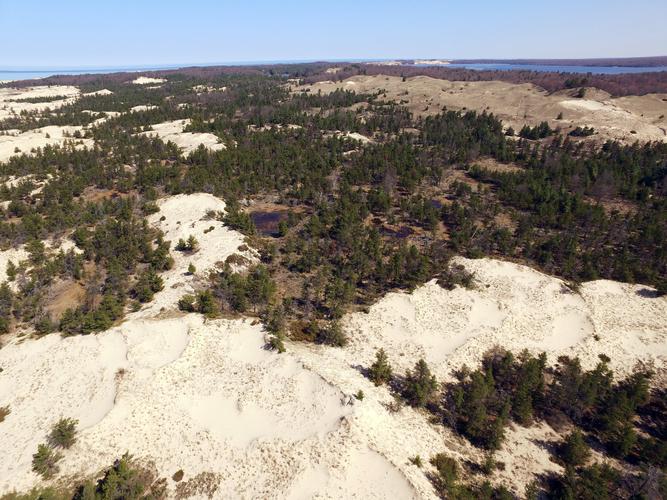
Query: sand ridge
[(187, 141), (51, 135), (10, 98), (627, 119)]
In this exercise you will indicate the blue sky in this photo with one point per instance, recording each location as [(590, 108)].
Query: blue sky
[(75, 33)]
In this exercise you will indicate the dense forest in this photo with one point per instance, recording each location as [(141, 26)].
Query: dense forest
[(355, 219)]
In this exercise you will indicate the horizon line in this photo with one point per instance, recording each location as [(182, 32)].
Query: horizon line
[(262, 62)]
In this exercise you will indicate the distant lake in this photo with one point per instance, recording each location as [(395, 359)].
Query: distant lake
[(6, 74), (28, 74), (600, 70)]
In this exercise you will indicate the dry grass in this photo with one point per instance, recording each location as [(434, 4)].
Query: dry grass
[(64, 295)]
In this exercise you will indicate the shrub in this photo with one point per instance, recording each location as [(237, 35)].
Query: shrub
[(206, 304), (187, 303), (380, 371), (420, 385), (456, 275), (63, 433), (448, 473), (574, 451), (148, 283), (187, 246), (4, 411), (276, 342), (582, 131), (45, 461), (332, 335), (125, 481)]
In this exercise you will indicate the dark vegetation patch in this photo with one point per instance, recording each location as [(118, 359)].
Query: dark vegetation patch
[(268, 222), (622, 418)]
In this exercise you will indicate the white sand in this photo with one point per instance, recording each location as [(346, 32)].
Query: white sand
[(193, 396), (144, 80), (8, 95), (205, 396), (16, 256), (207, 88), (515, 307), (30, 140), (187, 141), (185, 215), (432, 62), (99, 92), (358, 137), (20, 255), (142, 107), (101, 119)]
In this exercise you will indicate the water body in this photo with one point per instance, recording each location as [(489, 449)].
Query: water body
[(43, 73), (29, 73), (24, 74), (599, 70)]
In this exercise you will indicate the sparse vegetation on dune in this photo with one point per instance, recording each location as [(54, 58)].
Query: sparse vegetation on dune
[(350, 221)]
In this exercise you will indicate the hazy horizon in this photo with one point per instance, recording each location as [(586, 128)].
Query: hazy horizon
[(77, 34)]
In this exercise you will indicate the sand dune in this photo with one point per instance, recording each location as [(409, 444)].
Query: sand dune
[(25, 142), (145, 80), (9, 97), (627, 119), (206, 397), (187, 141), (183, 216), (515, 307)]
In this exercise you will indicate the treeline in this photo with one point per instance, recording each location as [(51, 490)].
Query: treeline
[(617, 85)]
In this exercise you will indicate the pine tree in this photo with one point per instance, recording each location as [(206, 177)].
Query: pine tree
[(380, 371), (420, 385), (63, 433), (45, 461), (574, 451)]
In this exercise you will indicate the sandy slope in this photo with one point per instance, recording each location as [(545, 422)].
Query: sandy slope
[(187, 141), (515, 307), (628, 118), (243, 422), (145, 80), (202, 396), (9, 95), (38, 138), (180, 217)]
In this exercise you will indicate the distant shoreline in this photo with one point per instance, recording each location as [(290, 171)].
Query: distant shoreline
[(595, 65)]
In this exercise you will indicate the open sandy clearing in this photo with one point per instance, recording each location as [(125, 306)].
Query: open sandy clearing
[(201, 397), (514, 307), (26, 142), (145, 80), (180, 217), (11, 98), (627, 119), (187, 141)]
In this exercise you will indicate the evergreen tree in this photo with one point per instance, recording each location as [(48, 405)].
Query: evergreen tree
[(380, 371), (420, 385)]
